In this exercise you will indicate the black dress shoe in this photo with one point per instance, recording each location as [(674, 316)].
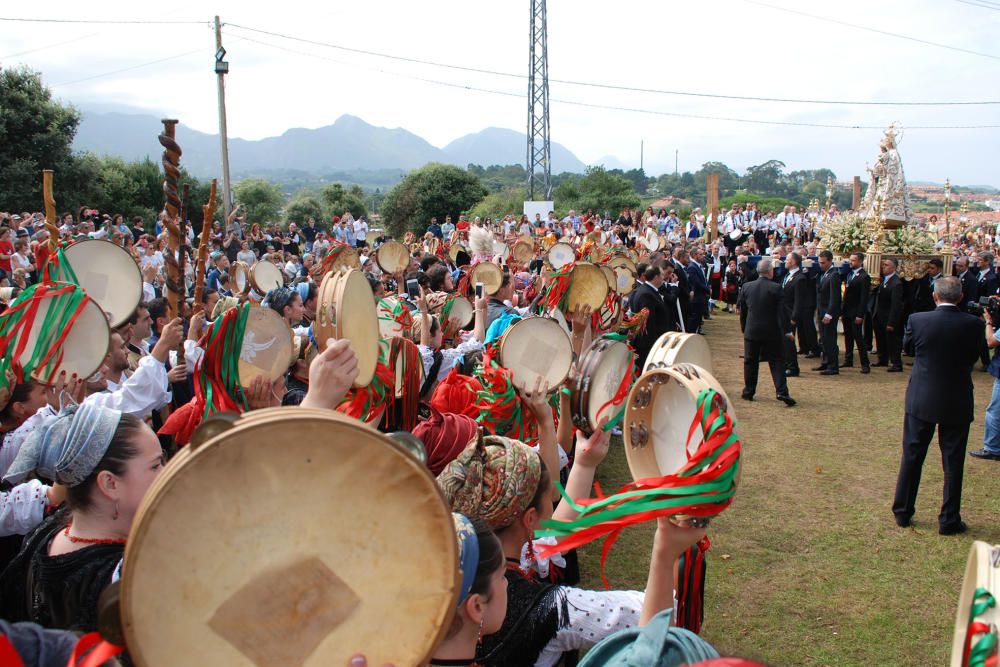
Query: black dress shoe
[(821, 367), (983, 454), (811, 355), (880, 363), (894, 369), (791, 374), (830, 371), (746, 397), (865, 370), (786, 399), (847, 364), (903, 522), (953, 529)]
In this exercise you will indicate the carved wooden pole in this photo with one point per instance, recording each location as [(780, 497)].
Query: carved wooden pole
[(172, 203), (712, 205), (857, 193), (182, 223), (208, 211), (50, 210)]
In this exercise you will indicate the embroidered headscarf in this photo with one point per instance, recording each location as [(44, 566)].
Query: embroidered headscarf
[(493, 479), (468, 554), (66, 447)]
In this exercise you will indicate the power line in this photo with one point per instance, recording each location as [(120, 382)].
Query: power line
[(128, 69), (608, 86), (589, 105), (49, 46), (983, 5), (874, 30), (102, 22)]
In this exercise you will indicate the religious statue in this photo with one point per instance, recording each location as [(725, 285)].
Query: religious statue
[(887, 195)]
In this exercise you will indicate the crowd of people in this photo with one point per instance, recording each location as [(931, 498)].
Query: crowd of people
[(78, 456)]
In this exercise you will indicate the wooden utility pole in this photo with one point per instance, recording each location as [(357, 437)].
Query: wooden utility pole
[(221, 69), (857, 193), (712, 205)]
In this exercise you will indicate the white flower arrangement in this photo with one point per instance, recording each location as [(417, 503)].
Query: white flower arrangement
[(848, 232)]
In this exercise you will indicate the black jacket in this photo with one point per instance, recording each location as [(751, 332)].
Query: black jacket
[(856, 293), (800, 301), (945, 344), (889, 302), (762, 311), (923, 295), (828, 294), (683, 286), (970, 288), (660, 319), (987, 283)]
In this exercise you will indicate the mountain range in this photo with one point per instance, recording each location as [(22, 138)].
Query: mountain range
[(348, 144)]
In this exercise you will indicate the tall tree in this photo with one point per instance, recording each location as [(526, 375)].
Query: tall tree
[(36, 132), (339, 199), (262, 200), (434, 190)]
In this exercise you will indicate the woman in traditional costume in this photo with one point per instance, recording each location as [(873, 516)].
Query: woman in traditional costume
[(107, 460), (505, 483)]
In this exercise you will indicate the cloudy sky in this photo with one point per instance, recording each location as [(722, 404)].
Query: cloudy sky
[(798, 50)]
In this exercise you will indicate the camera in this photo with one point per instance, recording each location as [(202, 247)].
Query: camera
[(990, 304)]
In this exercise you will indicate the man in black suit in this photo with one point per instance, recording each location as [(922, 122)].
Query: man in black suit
[(970, 287), (828, 307), (765, 323), (806, 326), (888, 318), (945, 345), (683, 284), (923, 288), (698, 281), (660, 319), (987, 285), (795, 289), (856, 292)]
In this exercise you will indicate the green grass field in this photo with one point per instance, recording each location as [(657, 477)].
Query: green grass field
[(808, 567)]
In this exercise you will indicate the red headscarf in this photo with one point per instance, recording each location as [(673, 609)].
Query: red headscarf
[(457, 394), (445, 436)]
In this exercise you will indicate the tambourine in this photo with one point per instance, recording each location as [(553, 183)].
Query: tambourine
[(501, 250), (624, 281), (392, 257), (650, 240), (454, 249), (489, 274), (601, 381), (241, 278), (394, 318), (433, 244), (373, 235), (675, 347), (609, 275), (625, 262), (536, 347), (346, 257), (267, 347), (84, 325), (978, 615), (107, 273), (222, 305), (658, 416), (588, 287), (610, 315), (264, 587), (560, 254), (523, 251), (736, 234), (346, 309), (265, 276), (459, 312)]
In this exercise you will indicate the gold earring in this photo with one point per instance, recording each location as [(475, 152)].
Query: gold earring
[(114, 517)]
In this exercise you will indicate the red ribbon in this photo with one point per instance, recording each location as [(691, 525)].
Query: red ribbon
[(100, 651)]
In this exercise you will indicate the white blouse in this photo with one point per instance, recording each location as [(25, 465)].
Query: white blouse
[(22, 508), (593, 615)]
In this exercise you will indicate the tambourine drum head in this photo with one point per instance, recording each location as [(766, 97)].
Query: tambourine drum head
[(980, 572), (589, 286), (108, 275), (346, 309), (392, 257), (609, 275), (524, 251), (241, 277), (267, 346), (84, 348), (537, 347), (624, 281), (387, 325), (560, 255), (455, 249), (295, 538), (265, 277), (347, 259), (621, 261), (560, 319), (607, 377), (674, 347), (489, 274), (462, 311), (736, 235)]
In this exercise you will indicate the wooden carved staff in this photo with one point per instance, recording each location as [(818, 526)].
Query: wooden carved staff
[(172, 203), (201, 268), (182, 249), (50, 210)]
